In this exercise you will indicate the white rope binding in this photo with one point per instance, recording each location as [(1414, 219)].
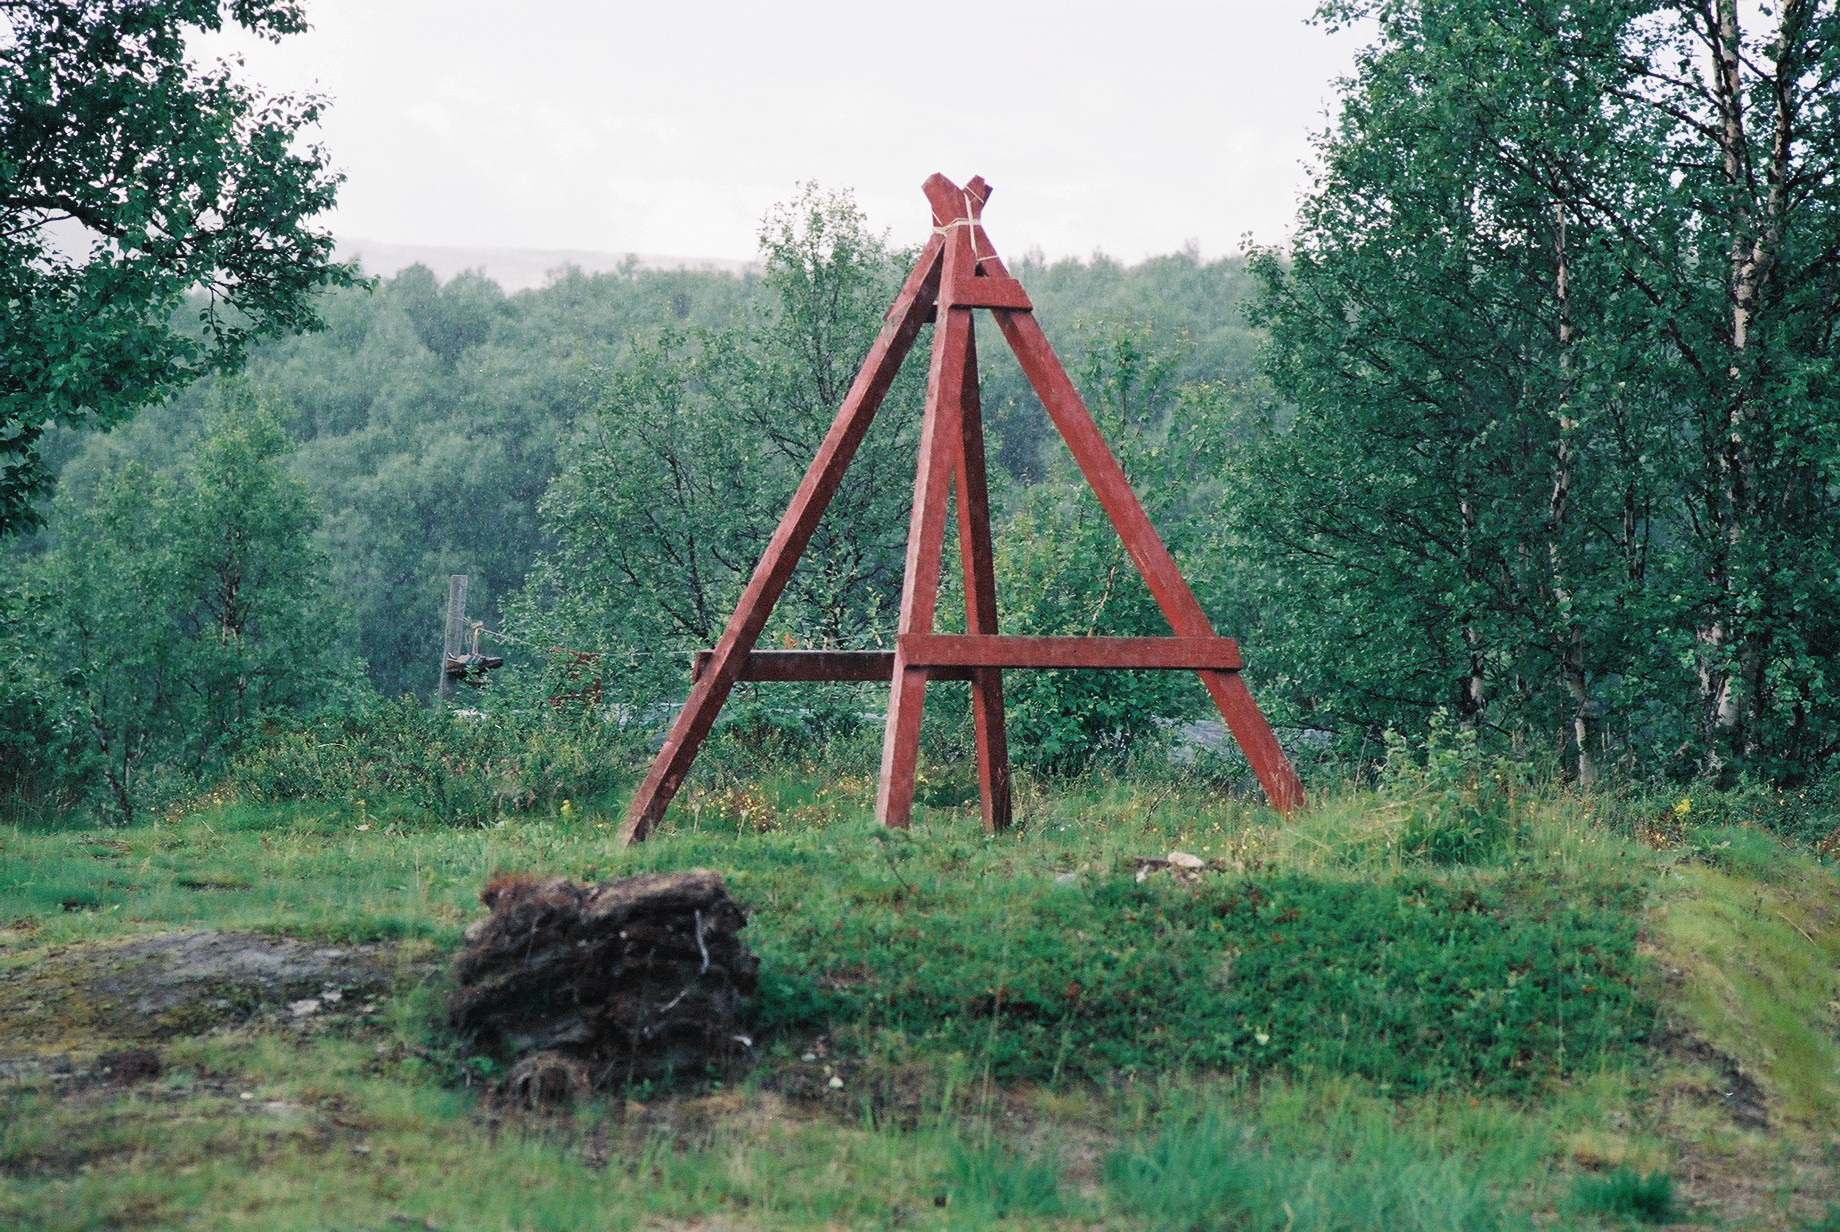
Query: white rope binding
[(969, 220)]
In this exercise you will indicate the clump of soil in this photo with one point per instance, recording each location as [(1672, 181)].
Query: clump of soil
[(575, 987), (127, 1066)]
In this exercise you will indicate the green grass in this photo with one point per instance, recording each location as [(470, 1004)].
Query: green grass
[(988, 1180), (349, 1148), (948, 941), (1216, 1173), (1336, 1028), (1758, 968), (1622, 1194)]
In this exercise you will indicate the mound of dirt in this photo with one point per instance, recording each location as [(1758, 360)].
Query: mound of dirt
[(574, 987)]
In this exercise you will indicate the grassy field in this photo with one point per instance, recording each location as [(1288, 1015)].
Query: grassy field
[(1550, 1012)]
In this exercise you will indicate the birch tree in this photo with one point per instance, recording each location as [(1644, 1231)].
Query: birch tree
[(1558, 335)]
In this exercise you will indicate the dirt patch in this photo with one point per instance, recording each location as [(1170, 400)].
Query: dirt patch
[(1764, 1184), (1731, 1088), (1736, 1162), (127, 1066)]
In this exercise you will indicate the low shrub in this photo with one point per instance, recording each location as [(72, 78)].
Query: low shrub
[(1693, 814), (451, 766), (1460, 806), (1743, 851)]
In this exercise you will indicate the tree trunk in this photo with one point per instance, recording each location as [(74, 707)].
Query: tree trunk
[(1558, 507), (1732, 662), (1473, 696)]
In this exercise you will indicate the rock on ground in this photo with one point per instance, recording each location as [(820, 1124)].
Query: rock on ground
[(238, 973), (88, 998)]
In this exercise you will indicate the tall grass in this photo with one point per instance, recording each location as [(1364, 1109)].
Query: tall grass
[(1214, 1172)]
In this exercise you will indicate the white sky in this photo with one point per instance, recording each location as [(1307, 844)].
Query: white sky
[(671, 126)]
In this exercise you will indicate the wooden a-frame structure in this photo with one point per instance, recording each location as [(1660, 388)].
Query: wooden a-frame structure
[(958, 271)]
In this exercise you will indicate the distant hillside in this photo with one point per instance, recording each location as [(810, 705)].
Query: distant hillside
[(515, 269)]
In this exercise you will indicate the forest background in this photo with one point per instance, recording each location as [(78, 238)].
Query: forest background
[(1527, 443)]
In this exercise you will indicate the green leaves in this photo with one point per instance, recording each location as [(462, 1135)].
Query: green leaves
[(1539, 471), (670, 490), (179, 607), (165, 179)]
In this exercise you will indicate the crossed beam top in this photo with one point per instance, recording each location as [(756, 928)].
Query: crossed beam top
[(958, 217), (958, 270)]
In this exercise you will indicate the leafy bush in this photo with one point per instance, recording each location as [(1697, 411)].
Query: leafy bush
[(1461, 806), (176, 605), (1702, 815), (454, 767), (1744, 851), (1808, 815), (44, 763), (1062, 569)]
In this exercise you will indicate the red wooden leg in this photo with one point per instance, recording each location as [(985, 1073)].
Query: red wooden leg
[(910, 311), (1145, 546), (894, 801), (981, 599), (940, 440)]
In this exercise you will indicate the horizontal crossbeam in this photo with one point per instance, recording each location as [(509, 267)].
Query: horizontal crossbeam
[(952, 656), (987, 293), (990, 650), (813, 665)]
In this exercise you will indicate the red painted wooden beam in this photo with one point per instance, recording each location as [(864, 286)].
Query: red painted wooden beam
[(871, 666), (1218, 654), (899, 328), (955, 656), (978, 568), (940, 432), (989, 293)]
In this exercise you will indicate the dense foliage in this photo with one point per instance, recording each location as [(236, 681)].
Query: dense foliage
[(1556, 344), (1539, 459), (1061, 569), (669, 492), (387, 759), (131, 177), (173, 613)]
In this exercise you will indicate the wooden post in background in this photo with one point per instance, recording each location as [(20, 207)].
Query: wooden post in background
[(456, 631)]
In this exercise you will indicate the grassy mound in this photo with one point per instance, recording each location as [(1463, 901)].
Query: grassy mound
[(943, 944), (1335, 1024)]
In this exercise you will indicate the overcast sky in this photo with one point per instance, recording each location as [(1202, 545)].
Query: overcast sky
[(670, 127)]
